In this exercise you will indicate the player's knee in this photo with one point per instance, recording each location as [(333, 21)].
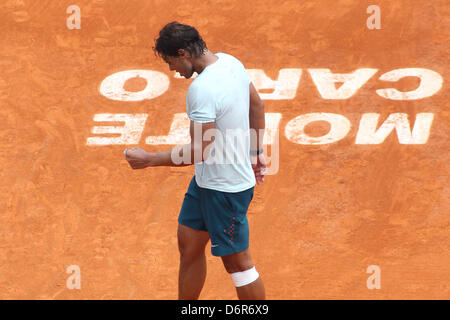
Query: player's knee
[(240, 268), (246, 277), (237, 262), (237, 267), (189, 250), (191, 244)]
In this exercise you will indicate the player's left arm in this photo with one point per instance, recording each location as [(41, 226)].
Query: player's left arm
[(180, 156)]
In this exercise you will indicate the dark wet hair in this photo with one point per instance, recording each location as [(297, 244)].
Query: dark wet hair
[(175, 36)]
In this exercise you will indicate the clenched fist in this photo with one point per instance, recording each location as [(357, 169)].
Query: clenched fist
[(137, 158)]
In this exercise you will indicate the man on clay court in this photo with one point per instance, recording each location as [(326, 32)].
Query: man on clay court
[(220, 98)]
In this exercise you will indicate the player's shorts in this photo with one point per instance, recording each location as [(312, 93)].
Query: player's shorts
[(222, 214)]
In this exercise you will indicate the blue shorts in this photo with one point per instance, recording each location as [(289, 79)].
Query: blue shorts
[(222, 214)]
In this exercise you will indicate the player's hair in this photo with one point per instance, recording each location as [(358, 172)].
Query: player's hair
[(175, 36)]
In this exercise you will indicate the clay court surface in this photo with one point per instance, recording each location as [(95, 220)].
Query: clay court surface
[(331, 211)]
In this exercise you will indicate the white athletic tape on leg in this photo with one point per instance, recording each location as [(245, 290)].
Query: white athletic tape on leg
[(244, 278)]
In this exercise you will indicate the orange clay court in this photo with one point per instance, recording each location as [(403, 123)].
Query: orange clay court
[(316, 226)]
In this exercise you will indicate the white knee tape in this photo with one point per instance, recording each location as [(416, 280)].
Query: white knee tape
[(244, 278)]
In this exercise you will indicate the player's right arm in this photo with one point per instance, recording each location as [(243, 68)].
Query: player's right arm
[(257, 125), (257, 117)]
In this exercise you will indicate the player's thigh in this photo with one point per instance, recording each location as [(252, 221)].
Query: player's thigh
[(191, 242)]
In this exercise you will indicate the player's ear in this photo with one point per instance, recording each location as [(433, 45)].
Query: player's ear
[(184, 53)]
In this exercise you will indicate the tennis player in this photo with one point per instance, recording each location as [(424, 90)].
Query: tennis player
[(226, 127)]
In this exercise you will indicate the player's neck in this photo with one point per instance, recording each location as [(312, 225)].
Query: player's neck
[(205, 60)]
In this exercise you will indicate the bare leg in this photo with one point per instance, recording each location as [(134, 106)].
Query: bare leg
[(252, 291), (239, 262), (192, 273)]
